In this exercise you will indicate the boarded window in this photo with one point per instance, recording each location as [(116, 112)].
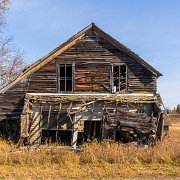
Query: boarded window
[(65, 78), (119, 78)]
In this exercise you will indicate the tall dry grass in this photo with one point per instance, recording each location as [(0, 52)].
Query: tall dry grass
[(105, 160)]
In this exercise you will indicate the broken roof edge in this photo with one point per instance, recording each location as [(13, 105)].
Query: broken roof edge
[(76, 37)]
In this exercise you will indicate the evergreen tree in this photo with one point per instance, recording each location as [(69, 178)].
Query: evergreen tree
[(178, 109)]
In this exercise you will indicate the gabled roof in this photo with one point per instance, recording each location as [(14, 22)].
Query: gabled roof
[(69, 43)]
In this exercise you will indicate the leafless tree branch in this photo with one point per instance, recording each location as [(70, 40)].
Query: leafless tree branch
[(11, 60)]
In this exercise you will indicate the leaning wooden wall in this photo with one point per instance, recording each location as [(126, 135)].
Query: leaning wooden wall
[(11, 105)]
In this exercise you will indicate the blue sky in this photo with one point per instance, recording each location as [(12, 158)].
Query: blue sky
[(150, 28)]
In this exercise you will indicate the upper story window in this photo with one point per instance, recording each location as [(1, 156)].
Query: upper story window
[(119, 78), (65, 77)]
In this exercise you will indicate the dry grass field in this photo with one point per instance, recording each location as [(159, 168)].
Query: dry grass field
[(101, 161), (175, 119)]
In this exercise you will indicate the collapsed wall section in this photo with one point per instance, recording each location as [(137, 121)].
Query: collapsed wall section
[(74, 119)]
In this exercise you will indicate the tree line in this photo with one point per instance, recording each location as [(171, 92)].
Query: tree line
[(175, 110)]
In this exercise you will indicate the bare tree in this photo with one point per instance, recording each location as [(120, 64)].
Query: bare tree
[(11, 60), (3, 5)]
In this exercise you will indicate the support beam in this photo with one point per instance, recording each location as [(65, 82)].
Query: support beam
[(75, 132), (68, 112), (35, 126)]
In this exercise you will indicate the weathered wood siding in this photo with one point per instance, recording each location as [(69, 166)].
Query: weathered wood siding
[(92, 77), (92, 57), (96, 77), (44, 80), (11, 106)]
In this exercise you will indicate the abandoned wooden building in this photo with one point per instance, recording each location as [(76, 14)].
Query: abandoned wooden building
[(90, 87)]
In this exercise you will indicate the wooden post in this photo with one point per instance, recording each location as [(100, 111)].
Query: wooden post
[(35, 128), (49, 115), (89, 134), (75, 132), (102, 127), (126, 78), (94, 132), (162, 127), (40, 121)]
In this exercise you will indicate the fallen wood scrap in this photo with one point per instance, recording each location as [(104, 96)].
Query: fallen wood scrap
[(130, 126)]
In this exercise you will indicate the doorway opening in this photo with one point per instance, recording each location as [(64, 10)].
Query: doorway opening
[(89, 131)]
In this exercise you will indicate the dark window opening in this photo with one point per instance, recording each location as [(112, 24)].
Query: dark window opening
[(61, 137), (69, 85), (65, 78), (62, 85), (56, 127), (62, 70), (69, 70), (119, 78)]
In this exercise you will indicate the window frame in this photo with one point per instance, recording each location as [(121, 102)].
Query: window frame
[(112, 77), (59, 77)]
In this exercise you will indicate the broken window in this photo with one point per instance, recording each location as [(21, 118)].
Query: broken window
[(119, 78), (65, 74)]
